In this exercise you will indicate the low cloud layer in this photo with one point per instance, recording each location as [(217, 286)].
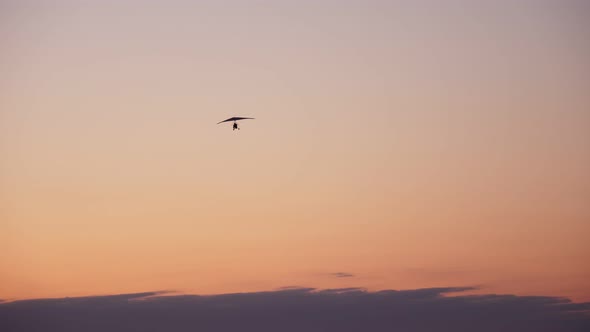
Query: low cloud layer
[(301, 309)]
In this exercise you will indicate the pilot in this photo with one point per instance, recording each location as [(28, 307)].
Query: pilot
[(236, 126)]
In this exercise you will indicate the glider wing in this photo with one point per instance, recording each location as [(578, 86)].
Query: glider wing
[(234, 119)]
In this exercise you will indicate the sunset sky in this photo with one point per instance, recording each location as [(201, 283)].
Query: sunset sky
[(396, 145)]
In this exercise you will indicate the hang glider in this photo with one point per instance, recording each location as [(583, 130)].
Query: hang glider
[(235, 119)]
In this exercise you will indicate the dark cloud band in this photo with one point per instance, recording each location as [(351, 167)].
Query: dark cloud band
[(300, 309)]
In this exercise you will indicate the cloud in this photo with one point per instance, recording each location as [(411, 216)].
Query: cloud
[(342, 275), (300, 309)]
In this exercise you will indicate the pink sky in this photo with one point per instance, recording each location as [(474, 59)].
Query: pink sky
[(409, 144)]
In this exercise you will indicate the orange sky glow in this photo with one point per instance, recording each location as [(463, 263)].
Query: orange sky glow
[(405, 144)]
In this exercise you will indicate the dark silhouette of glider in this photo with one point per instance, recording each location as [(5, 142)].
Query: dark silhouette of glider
[(235, 119)]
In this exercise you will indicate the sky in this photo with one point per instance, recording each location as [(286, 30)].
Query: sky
[(397, 145)]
